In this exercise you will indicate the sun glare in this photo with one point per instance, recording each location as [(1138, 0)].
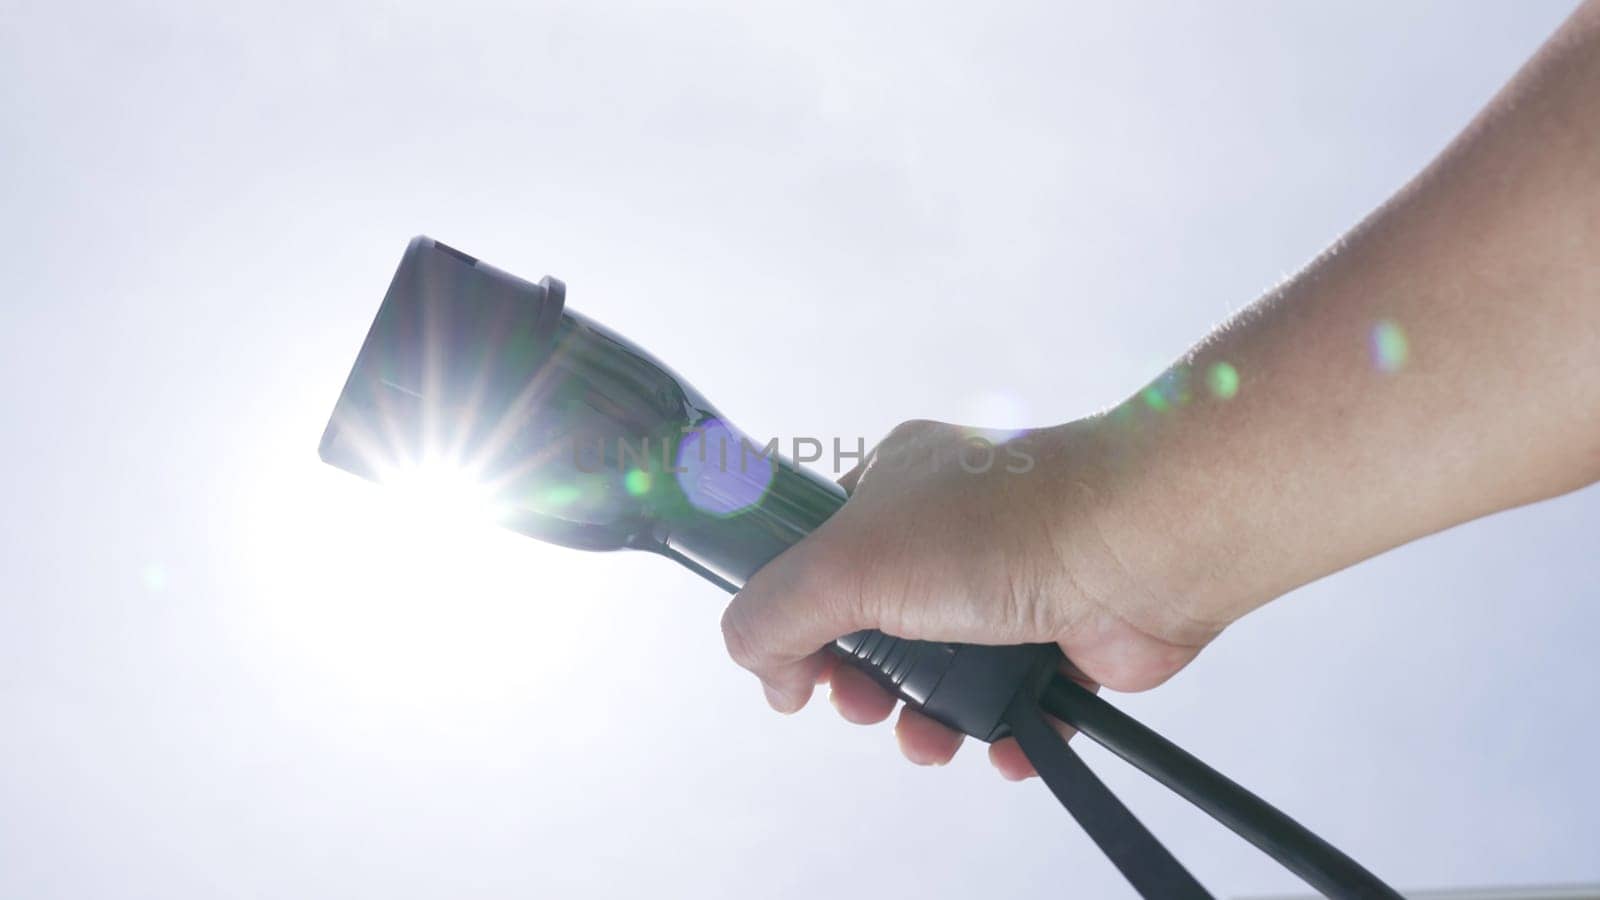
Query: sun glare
[(405, 594), (442, 491)]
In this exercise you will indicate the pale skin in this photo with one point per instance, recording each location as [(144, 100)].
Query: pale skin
[(1440, 363)]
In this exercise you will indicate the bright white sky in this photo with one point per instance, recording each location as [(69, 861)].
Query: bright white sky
[(229, 671)]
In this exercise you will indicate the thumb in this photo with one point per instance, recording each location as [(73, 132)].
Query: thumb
[(780, 623)]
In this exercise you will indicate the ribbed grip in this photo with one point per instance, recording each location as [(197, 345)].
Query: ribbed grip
[(910, 669), (964, 686)]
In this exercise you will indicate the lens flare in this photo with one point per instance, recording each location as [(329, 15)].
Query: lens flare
[(1223, 380), (154, 577), (441, 490), (637, 481), (1390, 348), (559, 495), (1000, 415), (721, 471), (1169, 391)]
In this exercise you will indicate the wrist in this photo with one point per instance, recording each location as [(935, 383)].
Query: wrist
[(1148, 528)]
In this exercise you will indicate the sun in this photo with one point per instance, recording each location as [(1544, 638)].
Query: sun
[(443, 492), (403, 594)]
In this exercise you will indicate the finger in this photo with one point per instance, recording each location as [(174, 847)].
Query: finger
[(924, 741), (795, 692), (1009, 760), (830, 664), (1005, 754), (788, 610), (858, 698)]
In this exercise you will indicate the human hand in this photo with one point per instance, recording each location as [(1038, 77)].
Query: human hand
[(1013, 546)]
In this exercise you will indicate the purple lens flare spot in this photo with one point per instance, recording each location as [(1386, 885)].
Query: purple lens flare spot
[(722, 471)]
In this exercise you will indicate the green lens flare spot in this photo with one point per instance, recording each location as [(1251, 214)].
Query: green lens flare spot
[(1390, 348), (1223, 380), (154, 577), (560, 495), (637, 481), (1169, 391)]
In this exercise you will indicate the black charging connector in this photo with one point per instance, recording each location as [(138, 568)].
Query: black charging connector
[(967, 687), (564, 413)]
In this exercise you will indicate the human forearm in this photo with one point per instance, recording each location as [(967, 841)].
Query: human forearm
[(1485, 272), (1283, 448)]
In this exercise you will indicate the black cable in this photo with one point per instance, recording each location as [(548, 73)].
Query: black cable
[(1149, 867), (1280, 837), (1113, 827)]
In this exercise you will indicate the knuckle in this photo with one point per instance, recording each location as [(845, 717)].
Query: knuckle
[(914, 429), (911, 426)]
